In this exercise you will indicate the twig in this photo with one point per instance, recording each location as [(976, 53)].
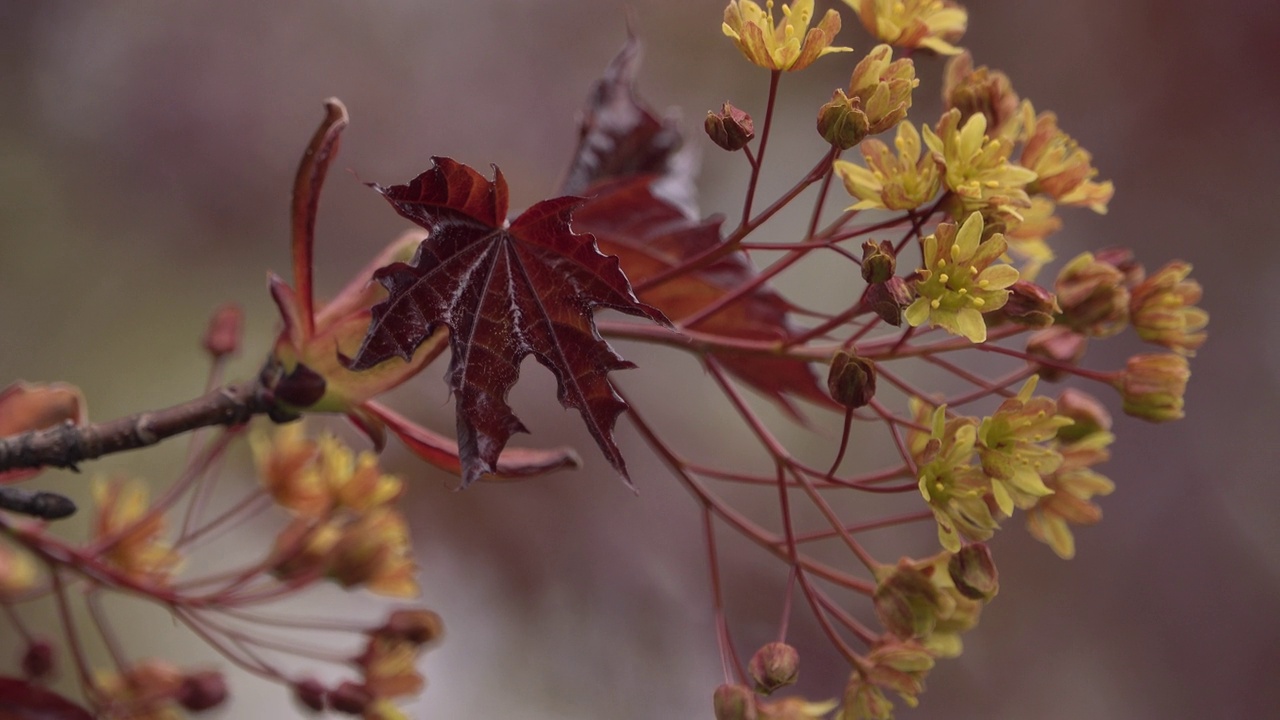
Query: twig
[(68, 444)]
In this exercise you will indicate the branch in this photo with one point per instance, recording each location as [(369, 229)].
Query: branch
[(68, 444)]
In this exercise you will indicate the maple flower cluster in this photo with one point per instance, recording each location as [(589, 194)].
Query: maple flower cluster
[(976, 196)]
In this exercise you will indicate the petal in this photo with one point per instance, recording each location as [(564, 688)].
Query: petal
[(970, 324)]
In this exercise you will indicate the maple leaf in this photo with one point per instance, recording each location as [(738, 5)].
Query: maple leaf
[(504, 291), (642, 207)]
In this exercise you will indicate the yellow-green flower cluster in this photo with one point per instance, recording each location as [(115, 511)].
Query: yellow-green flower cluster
[(976, 167), (1011, 449), (961, 279), (930, 24), (904, 181)]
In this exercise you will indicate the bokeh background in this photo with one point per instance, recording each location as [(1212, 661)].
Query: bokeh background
[(146, 158)]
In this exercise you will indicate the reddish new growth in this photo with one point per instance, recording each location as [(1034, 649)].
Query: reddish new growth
[(936, 346)]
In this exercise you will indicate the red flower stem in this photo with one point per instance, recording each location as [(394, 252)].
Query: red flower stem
[(866, 526), (250, 505), (774, 77), (739, 522), (844, 443), (729, 660), (1099, 376), (832, 156), (73, 638), (252, 664), (93, 603), (864, 633), (16, 621), (316, 624), (899, 443)]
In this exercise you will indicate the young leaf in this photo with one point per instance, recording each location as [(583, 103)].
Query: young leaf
[(504, 291), (642, 207)]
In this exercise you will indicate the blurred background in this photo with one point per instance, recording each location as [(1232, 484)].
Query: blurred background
[(146, 158)]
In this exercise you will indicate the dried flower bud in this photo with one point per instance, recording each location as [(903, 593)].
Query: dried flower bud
[(1153, 386), (842, 122), (1093, 296), (974, 572), (37, 660), (1030, 305), (983, 90), (350, 698), (878, 261), (202, 690), (774, 666), (731, 128), (881, 88), (1061, 345), (310, 693), (1087, 411), (734, 702), (417, 626), (222, 337), (887, 299), (852, 380)]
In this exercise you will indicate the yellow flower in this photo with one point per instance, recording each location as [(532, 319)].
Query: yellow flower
[(1062, 167), (904, 182), (311, 477), (1026, 237), (1074, 484), (374, 552), (794, 708), (130, 534), (955, 489), (1010, 445), (788, 45), (17, 572), (1153, 385), (1163, 309), (976, 167), (932, 24), (959, 281)]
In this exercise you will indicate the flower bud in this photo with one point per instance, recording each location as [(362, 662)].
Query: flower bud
[(1062, 346), (202, 690), (887, 299), (37, 660), (841, 122), (774, 666), (416, 626), (1153, 386), (310, 693), (878, 261), (907, 603), (734, 702), (1093, 296), (1030, 305), (350, 698), (974, 572), (225, 329), (852, 380), (983, 90), (731, 128), (1087, 411)]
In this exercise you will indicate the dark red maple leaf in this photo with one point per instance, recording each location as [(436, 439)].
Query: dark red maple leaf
[(504, 291), (641, 207)]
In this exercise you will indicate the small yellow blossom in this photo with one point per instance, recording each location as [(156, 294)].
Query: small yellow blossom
[(382, 710), (959, 281), (882, 87), (1074, 484), (1153, 386), (896, 665), (976, 167), (17, 572), (931, 24), (904, 182), (787, 45), (130, 534), (146, 691), (1011, 446), (1063, 168), (1163, 309), (374, 552), (953, 486), (312, 477), (1093, 295), (1027, 237)]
